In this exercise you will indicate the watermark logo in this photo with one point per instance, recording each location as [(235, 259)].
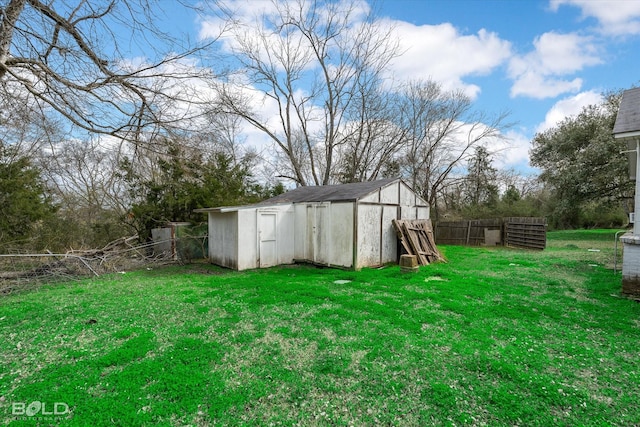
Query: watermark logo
[(39, 410)]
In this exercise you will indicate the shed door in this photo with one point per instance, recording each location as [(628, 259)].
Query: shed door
[(267, 244), (318, 232)]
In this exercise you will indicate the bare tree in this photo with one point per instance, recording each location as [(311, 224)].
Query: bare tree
[(22, 125), (220, 134), (83, 175), (83, 180), (374, 137), (68, 58), (443, 129), (525, 185), (307, 60)]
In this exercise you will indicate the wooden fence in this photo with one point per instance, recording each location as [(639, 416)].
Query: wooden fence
[(521, 232), (525, 232)]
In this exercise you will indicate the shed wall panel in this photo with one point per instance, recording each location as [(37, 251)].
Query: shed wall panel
[(321, 232), (369, 235), (371, 198), (414, 212), (267, 232), (286, 235), (223, 239), (389, 241), (309, 231), (390, 194), (422, 213), (341, 235), (408, 212), (247, 239), (299, 234), (407, 197), (314, 222)]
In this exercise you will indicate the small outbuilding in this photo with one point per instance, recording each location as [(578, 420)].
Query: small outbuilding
[(346, 225)]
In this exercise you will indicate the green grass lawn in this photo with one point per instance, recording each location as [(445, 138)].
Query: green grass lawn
[(493, 337)]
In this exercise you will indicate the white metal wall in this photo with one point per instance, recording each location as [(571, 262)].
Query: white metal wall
[(223, 239), (377, 241), (284, 234), (251, 238), (342, 238), (369, 235), (247, 238), (324, 233)]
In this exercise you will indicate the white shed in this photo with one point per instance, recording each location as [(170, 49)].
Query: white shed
[(346, 225)]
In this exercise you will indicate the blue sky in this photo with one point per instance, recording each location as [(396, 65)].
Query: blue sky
[(540, 60)]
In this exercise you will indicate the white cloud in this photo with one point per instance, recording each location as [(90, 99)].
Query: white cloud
[(511, 150), (538, 73), (244, 12), (238, 23), (616, 17), (441, 53), (538, 86), (568, 107)]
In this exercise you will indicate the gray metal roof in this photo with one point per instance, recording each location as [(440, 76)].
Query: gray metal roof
[(329, 193), (628, 119)]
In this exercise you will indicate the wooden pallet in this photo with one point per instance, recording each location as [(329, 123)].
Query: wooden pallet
[(416, 237)]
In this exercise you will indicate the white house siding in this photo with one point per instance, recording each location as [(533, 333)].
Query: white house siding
[(631, 256)]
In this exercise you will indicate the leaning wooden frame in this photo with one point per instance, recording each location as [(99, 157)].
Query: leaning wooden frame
[(416, 238)]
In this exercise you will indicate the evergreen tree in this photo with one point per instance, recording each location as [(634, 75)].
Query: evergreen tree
[(481, 187), (184, 181), (23, 197)]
